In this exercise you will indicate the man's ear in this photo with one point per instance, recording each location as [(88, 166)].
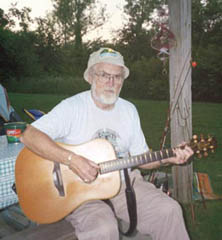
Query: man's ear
[(90, 78)]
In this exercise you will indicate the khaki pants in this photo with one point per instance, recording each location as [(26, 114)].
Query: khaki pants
[(158, 215)]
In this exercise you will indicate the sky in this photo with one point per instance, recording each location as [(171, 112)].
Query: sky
[(42, 7)]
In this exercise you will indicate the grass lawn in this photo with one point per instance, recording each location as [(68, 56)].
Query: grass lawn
[(206, 119)]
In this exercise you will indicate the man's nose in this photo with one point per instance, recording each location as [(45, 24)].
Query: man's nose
[(111, 81)]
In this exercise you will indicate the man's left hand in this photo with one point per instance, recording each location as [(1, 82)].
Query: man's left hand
[(183, 153)]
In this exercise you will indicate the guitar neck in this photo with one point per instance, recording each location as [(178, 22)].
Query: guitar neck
[(133, 161)]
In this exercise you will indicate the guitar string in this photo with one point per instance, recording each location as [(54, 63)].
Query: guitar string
[(147, 157)]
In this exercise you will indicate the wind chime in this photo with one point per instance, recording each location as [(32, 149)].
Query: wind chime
[(164, 39)]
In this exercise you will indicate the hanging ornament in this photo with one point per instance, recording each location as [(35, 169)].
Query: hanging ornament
[(194, 64), (164, 39)]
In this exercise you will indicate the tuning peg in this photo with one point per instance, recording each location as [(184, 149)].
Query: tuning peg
[(197, 151), (195, 137), (209, 139), (199, 155), (205, 149), (205, 154), (202, 146), (202, 140)]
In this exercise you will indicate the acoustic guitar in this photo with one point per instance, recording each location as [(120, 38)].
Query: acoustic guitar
[(48, 192)]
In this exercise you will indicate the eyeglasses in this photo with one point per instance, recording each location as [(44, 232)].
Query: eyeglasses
[(105, 77)]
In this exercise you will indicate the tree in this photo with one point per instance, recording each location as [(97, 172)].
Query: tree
[(18, 49), (22, 16), (6, 22), (136, 33), (3, 19), (18, 55), (206, 39), (49, 44), (75, 18)]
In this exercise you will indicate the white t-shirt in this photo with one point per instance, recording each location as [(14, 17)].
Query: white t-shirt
[(78, 120)]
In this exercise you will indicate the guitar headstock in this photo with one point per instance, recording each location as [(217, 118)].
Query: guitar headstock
[(202, 146)]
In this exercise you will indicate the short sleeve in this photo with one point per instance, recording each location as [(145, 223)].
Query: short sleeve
[(57, 122)]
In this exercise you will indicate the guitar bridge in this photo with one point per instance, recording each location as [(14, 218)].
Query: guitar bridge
[(57, 179)]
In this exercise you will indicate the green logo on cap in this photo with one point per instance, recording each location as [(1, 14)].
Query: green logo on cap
[(108, 52)]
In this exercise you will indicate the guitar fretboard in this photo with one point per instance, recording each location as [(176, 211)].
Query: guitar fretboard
[(121, 163)]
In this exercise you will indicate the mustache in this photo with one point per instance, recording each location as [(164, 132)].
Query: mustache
[(110, 89)]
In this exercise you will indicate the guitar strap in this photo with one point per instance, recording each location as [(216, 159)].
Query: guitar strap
[(131, 206)]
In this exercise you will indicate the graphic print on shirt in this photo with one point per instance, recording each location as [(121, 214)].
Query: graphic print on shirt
[(115, 139)]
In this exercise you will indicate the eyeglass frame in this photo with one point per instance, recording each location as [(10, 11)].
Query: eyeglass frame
[(105, 77)]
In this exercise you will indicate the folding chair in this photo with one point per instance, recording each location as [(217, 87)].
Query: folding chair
[(34, 114)]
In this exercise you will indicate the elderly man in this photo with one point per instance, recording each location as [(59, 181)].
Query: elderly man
[(102, 113)]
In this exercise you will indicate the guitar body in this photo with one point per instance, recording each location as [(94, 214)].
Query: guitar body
[(38, 196)]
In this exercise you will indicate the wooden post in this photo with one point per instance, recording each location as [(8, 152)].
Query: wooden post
[(180, 92)]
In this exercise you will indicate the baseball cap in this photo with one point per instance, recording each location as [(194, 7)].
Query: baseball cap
[(106, 55)]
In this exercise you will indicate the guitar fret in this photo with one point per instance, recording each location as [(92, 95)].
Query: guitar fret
[(167, 152), (121, 162), (111, 165), (142, 159), (136, 159), (124, 162), (130, 163), (102, 168), (171, 153), (153, 157), (158, 155), (115, 165), (107, 166), (145, 157), (148, 159)]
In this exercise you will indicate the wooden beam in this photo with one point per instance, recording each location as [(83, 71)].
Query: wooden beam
[(61, 230), (180, 92), (57, 231)]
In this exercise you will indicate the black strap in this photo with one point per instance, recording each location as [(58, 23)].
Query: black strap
[(131, 206)]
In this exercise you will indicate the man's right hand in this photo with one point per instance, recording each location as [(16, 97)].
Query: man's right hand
[(86, 169)]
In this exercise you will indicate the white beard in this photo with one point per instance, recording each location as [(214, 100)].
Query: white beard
[(103, 98)]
